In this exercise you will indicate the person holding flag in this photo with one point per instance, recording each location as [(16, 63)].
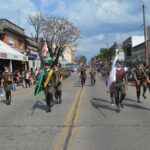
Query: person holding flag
[(112, 79), (116, 83), (120, 85), (48, 83)]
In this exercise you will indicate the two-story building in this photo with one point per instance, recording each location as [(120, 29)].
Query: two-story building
[(138, 51), (14, 36), (129, 44)]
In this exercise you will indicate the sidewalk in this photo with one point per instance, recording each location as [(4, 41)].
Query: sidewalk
[(17, 91)]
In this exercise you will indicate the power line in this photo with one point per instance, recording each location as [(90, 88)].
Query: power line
[(109, 11)]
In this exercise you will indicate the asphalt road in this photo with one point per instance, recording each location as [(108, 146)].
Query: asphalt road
[(84, 121)]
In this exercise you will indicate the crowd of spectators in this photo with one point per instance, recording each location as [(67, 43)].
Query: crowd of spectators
[(26, 78)]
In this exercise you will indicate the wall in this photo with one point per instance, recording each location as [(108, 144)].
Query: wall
[(136, 40), (16, 40)]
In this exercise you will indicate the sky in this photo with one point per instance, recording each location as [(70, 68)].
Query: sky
[(101, 22)]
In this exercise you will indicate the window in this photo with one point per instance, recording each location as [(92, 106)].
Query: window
[(20, 44), (11, 40)]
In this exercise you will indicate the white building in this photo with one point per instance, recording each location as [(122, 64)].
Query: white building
[(128, 45), (138, 51), (68, 55)]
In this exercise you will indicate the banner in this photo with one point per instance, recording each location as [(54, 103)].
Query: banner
[(112, 75)]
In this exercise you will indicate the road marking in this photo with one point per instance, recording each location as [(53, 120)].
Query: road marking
[(75, 122), (63, 133)]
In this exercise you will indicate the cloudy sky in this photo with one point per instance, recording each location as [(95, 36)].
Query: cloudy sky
[(101, 22)]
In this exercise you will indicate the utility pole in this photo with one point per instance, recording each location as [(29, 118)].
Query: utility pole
[(19, 19), (145, 34)]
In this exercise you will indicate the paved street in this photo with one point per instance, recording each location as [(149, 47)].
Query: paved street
[(84, 121)]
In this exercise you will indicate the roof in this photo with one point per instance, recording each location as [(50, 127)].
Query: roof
[(139, 45), (11, 23), (14, 31), (32, 42), (6, 25)]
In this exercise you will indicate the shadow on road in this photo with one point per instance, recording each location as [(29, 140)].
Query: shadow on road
[(100, 104), (101, 100), (88, 85), (3, 101), (136, 106), (77, 86), (127, 99), (38, 105)]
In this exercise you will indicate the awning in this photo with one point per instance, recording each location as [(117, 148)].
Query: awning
[(8, 52)]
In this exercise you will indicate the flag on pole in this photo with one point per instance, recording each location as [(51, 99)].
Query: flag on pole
[(48, 77), (39, 86), (112, 75), (44, 49)]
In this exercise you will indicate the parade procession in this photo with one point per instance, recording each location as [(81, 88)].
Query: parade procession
[(74, 75)]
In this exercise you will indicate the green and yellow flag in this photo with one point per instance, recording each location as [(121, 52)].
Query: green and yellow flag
[(48, 77), (39, 86)]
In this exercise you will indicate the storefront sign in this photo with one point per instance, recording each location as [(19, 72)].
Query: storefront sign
[(25, 58), (3, 55), (31, 56)]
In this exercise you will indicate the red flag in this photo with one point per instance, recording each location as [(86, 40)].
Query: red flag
[(120, 73)]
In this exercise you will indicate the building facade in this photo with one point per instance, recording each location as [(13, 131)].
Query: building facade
[(138, 52), (68, 55), (32, 51), (128, 46), (148, 42), (14, 36)]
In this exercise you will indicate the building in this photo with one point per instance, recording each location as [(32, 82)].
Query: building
[(14, 36), (128, 45), (148, 34), (138, 52), (68, 55), (32, 51)]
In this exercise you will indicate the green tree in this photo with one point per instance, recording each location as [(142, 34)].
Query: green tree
[(108, 53), (82, 60)]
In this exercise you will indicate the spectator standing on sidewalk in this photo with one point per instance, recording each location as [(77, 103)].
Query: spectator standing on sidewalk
[(2, 92), (7, 81), (27, 80)]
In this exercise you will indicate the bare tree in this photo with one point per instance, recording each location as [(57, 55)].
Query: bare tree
[(59, 33), (36, 21)]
